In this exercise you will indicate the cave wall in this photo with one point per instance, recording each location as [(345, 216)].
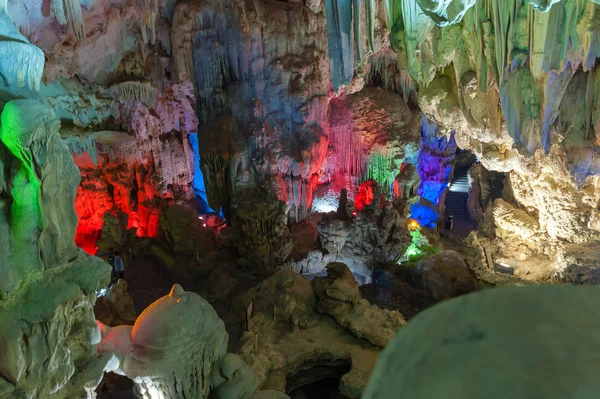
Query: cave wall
[(516, 82), (303, 99), (214, 100), (48, 286)]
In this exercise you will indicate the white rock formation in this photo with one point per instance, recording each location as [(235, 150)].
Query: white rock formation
[(22, 63), (178, 348)]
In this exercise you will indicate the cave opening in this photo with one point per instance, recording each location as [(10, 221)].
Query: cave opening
[(318, 381)]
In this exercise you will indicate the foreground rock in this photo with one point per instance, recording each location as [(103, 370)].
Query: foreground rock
[(48, 286), (500, 335), (177, 348)]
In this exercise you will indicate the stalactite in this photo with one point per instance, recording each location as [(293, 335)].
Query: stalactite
[(384, 66), (135, 91), (74, 18), (339, 32), (348, 150), (148, 26), (59, 11), (382, 169)]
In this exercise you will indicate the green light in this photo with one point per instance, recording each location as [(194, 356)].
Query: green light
[(383, 170), (414, 249), (12, 133)]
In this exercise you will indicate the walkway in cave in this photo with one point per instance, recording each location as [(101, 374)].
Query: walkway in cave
[(457, 200)]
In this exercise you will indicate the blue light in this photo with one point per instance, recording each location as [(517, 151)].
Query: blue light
[(198, 182)]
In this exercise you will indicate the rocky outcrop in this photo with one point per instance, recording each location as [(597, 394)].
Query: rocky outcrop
[(185, 233), (136, 173), (473, 326), (446, 275), (115, 307), (374, 235), (177, 347), (339, 297), (48, 286), (519, 92), (260, 224), (287, 335)]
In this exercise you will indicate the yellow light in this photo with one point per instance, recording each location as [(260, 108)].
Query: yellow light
[(413, 224)]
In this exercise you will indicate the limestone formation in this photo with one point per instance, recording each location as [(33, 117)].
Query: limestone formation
[(521, 97), (115, 307), (287, 335), (446, 275), (558, 354), (375, 235), (260, 222), (23, 69), (48, 286), (260, 114), (339, 298), (178, 348)]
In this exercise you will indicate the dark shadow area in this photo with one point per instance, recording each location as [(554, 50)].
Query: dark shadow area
[(319, 381)]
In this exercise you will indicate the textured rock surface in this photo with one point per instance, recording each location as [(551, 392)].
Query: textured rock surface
[(298, 337), (261, 228), (115, 307), (446, 275), (184, 232), (482, 328), (374, 236), (339, 298), (48, 286), (177, 347), (137, 171), (516, 81)]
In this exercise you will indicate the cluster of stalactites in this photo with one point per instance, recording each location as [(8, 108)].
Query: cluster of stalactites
[(133, 91), (68, 12)]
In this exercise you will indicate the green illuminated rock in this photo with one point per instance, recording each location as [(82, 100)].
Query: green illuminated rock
[(47, 285)]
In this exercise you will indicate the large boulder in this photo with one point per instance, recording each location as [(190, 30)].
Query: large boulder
[(446, 275), (517, 342), (339, 297)]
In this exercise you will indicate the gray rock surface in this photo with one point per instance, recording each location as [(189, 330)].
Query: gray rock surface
[(517, 342)]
